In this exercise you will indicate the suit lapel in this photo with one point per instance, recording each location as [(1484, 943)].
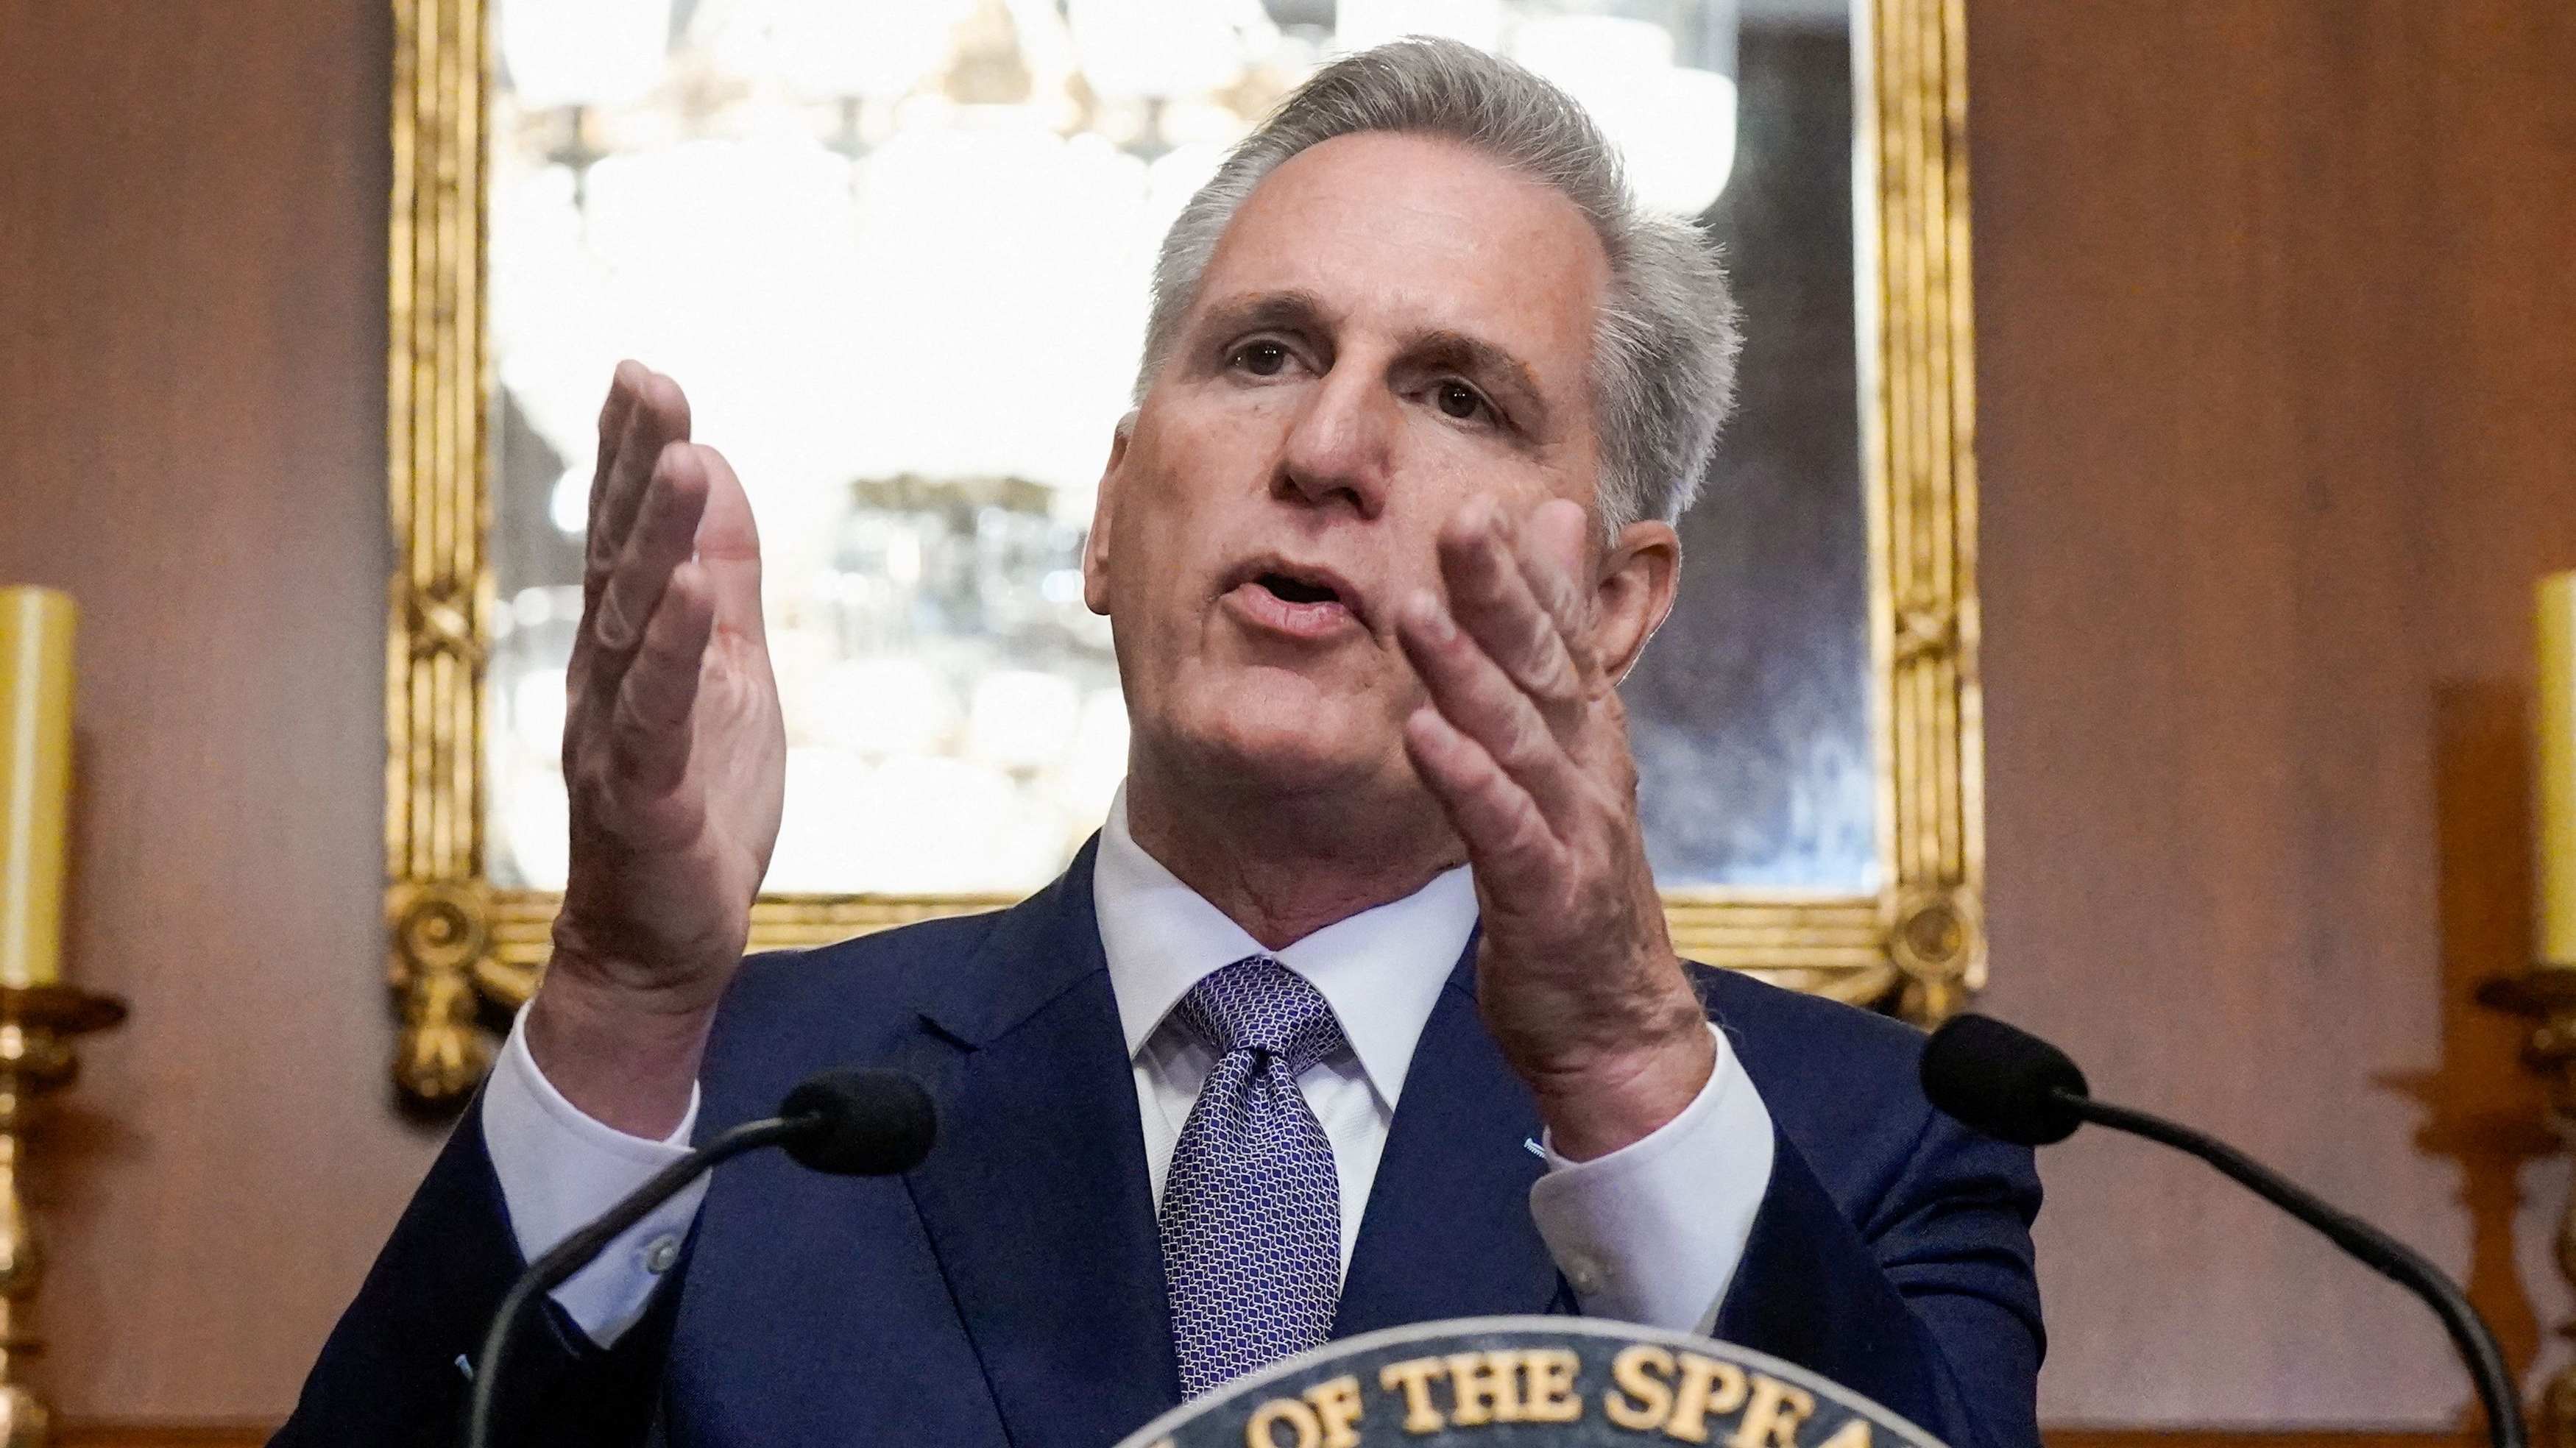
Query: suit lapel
[(1448, 1230), (1036, 1200)]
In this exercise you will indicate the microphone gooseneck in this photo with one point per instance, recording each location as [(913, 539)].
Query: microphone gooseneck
[(847, 1122), (2013, 1086)]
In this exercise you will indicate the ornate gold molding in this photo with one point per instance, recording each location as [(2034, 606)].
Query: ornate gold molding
[(1919, 404), (436, 906), (1917, 945)]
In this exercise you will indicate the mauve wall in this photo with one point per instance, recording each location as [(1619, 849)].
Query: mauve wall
[(192, 202), (2279, 406), (2277, 360)]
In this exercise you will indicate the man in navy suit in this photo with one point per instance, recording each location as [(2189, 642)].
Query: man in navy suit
[(1359, 1011)]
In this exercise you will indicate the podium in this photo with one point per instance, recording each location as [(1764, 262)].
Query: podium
[(1518, 1382)]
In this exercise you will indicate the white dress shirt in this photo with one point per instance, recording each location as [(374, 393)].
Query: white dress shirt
[(1649, 1234)]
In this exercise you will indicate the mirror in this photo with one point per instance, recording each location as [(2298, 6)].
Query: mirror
[(834, 221)]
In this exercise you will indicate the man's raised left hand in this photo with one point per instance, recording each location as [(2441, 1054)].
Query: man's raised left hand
[(1525, 743)]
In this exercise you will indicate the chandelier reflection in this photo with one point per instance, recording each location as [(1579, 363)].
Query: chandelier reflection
[(898, 253)]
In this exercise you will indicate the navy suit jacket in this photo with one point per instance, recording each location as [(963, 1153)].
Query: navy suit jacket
[(1010, 1291)]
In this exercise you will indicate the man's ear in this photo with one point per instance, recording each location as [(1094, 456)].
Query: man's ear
[(1095, 548), (1640, 574)]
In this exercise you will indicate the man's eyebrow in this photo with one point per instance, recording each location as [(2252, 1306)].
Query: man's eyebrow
[(1486, 363), (1301, 311)]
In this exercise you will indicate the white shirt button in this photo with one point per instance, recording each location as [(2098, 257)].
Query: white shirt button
[(660, 1253), (1585, 1273)]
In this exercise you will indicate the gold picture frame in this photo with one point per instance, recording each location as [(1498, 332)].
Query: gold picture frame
[(458, 945)]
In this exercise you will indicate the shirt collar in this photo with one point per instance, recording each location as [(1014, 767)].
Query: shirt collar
[(1380, 970)]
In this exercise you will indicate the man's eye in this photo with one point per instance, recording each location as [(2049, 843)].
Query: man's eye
[(1458, 400), (1263, 359)]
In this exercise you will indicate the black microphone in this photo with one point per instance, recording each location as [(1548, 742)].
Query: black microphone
[(844, 1123), (2013, 1086)]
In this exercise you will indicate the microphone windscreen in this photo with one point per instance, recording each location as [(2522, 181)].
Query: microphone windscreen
[(865, 1122), (2002, 1081)]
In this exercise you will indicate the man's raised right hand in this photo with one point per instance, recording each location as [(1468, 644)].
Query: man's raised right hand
[(675, 759)]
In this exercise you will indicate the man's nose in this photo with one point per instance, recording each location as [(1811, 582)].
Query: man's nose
[(1341, 446)]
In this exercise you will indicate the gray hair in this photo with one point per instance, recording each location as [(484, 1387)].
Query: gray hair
[(1665, 345)]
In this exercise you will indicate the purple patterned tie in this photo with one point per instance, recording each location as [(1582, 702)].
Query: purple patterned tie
[(1252, 1207)]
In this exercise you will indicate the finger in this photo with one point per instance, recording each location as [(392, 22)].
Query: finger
[(1491, 598), (1554, 563), (658, 418), (664, 534), (1473, 693), (1507, 837), (649, 732), (729, 547), (624, 385)]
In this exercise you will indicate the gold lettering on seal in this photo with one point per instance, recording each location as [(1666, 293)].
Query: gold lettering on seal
[(1707, 1386), (1414, 1376), (1484, 1387), (1641, 1396), (1772, 1419), (1300, 1419), (1337, 1407), (1547, 1394)]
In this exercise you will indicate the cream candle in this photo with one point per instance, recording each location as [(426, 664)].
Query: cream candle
[(35, 780), (2557, 771)]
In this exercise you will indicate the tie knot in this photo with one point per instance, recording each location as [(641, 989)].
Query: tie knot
[(1257, 1004)]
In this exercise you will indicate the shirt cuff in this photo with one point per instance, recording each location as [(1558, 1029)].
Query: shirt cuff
[(559, 1170), (1652, 1232)]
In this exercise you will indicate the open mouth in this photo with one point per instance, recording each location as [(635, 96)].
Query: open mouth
[(1298, 590), (1296, 598)]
